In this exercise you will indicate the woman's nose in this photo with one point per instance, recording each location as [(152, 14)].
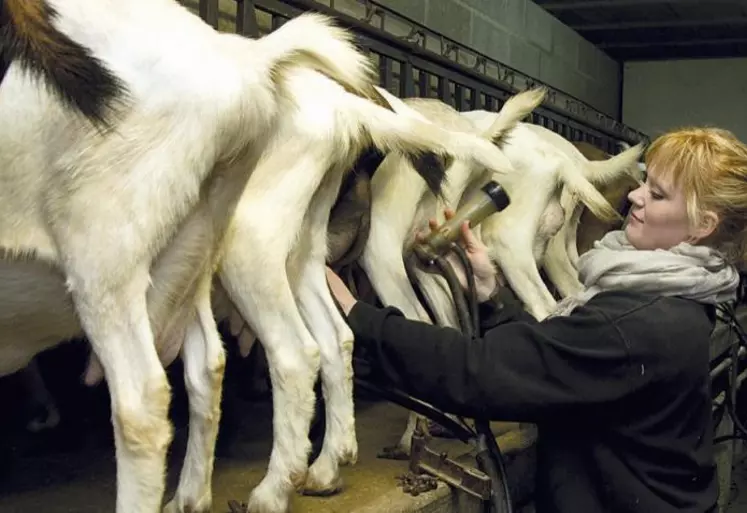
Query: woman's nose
[(636, 196)]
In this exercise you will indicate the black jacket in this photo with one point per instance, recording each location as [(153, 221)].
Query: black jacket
[(619, 390)]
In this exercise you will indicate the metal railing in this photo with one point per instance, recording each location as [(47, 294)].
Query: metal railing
[(413, 60)]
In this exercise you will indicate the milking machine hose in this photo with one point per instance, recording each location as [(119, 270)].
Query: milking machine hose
[(489, 456)]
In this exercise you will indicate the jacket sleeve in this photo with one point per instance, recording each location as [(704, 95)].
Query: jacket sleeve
[(523, 371), (503, 307)]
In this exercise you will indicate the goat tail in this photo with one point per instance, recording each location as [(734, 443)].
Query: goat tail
[(514, 110), (69, 69), (601, 172), (313, 40), (429, 147), (576, 183)]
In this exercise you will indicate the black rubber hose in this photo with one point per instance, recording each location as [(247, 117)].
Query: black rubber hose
[(411, 403), (463, 313), (471, 287), (494, 466), (411, 262)]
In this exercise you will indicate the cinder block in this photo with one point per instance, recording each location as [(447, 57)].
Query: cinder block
[(450, 19), (493, 9), (539, 26), (588, 59), (565, 43), (351, 7), (523, 56), (558, 74), (414, 9), (488, 38), (515, 20)]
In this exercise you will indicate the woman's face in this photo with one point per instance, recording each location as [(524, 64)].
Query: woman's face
[(658, 217)]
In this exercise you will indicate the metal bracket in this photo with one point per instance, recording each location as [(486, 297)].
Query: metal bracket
[(425, 462)]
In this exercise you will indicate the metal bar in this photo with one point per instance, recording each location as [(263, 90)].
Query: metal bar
[(406, 80), (209, 12), (246, 19), (386, 77), (607, 27), (469, 480), (727, 362), (459, 102), (477, 99), (277, 21), (444, 94), (424, 84)]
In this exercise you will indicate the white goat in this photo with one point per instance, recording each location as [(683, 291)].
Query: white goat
[(400, 204), (547, 164), (561, 257), (130, 219)]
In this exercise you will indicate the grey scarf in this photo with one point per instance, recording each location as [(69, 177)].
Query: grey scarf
[(699, 273)]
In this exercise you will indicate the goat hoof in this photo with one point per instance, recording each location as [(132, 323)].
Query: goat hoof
[(173, 507), (267, 499), (319, 490), (394, 452), (323, 478), (349, 455), (437, 430), (237, 507)]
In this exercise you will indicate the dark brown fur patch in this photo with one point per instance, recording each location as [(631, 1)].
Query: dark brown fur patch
[(350, 218), (78, 78), (432, 168)]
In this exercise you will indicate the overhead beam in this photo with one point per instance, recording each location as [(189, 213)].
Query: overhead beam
[(659, 44), (596, 4), (606, 27), (670, 53)]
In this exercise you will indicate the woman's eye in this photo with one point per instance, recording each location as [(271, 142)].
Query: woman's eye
[(656, 195)]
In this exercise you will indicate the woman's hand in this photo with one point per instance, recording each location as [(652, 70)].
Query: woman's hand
[(486, 281), (340, 291)]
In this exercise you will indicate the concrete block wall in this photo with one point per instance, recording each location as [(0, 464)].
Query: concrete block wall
[(520, 34)]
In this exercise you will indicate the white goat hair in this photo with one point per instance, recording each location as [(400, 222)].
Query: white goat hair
[(130, 220), (272, 262)]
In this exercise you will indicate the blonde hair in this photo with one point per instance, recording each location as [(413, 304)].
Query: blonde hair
[(710, 165)]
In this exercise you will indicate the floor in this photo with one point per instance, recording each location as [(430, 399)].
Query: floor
[(72, 469)]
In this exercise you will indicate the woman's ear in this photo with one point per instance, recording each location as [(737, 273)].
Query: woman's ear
[(708, 223)]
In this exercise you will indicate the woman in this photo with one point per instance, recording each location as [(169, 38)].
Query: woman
[(617, 378)]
